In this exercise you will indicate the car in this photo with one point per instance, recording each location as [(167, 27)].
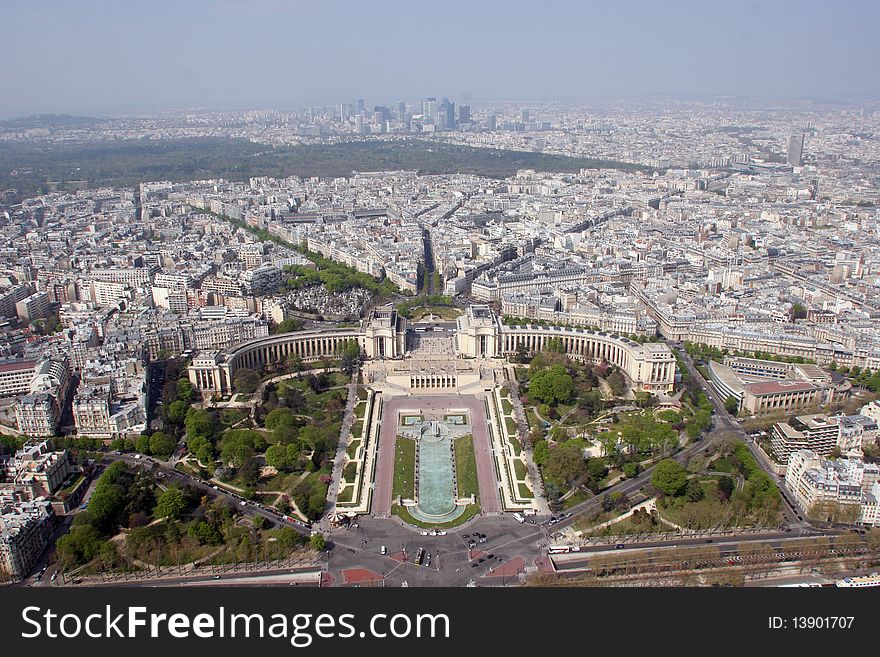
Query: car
[(216, 576), (54, 576), (383, 550), (482, 540), (480, 560), (424, 533), (243, 503), (443, 533), (620, 546), (428, 560), (474, 565), (490, 556), (709, 540), (465, 535)]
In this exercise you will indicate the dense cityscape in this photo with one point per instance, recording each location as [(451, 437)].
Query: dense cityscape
[(677, 339)]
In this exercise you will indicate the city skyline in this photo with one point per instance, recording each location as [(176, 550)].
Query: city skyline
[(254, 54)]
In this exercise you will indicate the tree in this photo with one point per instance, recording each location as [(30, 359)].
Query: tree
[(105, 505), (565, 464), (617, 383), (238, 445), (279, 418), (80, 545), (177, 411), (318, 542), (731, 405), (205, 533), (276, 457), (185, 391), (351, 355), (250, 472), (552, 385), (555, 346), (288, 325), (143, 444), (162, 445), (670, 477), (608, 440), (246, 380), (694, 491), (798, 311), (199, 422), (725, 488), (171, 503), (540, 452)]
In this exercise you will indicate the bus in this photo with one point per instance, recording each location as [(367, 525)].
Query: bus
[(563, 549)]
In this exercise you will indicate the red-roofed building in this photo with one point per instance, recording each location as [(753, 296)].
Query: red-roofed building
[(771, 397)]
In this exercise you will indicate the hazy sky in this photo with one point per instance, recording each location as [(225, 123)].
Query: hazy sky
[(81, 56)]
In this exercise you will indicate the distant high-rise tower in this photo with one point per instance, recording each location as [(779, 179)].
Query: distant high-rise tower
[(401, 111), (491, 122), (524, 115), (343, 112), (429, 108), (359, 123), (359, 105), (796, 150), (449, 107), (464, 114)]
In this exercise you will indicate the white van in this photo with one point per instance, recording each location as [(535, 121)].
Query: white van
[(519, 517)]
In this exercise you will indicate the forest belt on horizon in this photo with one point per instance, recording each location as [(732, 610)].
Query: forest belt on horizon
[(32, 168)]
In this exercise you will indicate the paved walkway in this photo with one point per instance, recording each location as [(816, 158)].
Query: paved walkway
[(348, 419), (384, 479)]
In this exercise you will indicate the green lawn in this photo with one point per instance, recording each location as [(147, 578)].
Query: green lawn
[(627, 527), (510, 425), (517, 446), (359, 409), (520, 469), (722, 465), (350, 472), (533, 419), (466, 467), (524, 492), (357, 429), (352, 448), (506, 406), (345, 495), (404, 468), (469, 512), (577, 498)]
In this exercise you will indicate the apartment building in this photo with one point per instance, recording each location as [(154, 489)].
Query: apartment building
[(813, 480), (36, 470), (816, 432), (15, 376), (26, 529)]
